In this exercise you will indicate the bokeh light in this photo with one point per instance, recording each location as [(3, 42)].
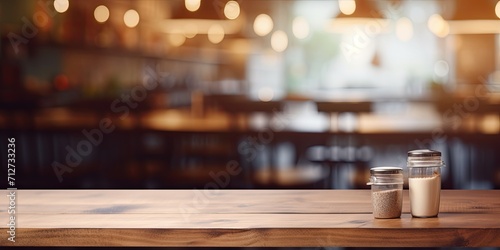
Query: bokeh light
[(176, 38), (61, 6), (497, 9), (131, 18), (347, 7), (232, 10), (300, 27), (404, 29), (215, 34), (438, 25), (190, 30), (263, 25), (266, 94), (279, 41), (192, 5), (101, 13)]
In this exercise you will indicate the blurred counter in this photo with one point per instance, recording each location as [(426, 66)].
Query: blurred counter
[(455, 116)]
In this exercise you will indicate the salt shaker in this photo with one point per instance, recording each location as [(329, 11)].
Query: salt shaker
[(424, 180), (386, 192)]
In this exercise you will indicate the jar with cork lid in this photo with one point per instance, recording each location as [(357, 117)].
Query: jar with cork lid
[(386, 192)]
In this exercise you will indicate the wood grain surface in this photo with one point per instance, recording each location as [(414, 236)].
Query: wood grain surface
[(244, 218)]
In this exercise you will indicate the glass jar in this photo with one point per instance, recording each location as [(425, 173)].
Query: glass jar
[(424, 181), (386, 192)]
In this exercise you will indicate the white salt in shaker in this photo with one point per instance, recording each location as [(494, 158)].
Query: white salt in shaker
[(424, 180), (387, 192)]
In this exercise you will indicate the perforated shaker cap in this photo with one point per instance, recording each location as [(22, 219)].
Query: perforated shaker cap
[(386, 176), (423, 153), (424, 158), (386, 170)]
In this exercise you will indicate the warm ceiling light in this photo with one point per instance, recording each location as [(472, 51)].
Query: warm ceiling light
[(347, 7), (101, 13), (497, 9), (232, 10), (263, 24), (300, 27), (438, 25), (279, 41), (131, 18), (364, 14), (61, 6), (404, 29), (215, 34), (192, 5)]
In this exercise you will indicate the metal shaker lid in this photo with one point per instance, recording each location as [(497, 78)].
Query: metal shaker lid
[(423, 153), (386, 176), (386, 170), (424, 158)]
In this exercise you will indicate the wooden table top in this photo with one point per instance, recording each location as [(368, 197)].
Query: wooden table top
[(268, 218)]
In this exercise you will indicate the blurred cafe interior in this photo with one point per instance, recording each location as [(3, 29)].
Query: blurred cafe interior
[(247, 94)]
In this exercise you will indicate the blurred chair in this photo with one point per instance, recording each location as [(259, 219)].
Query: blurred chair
[(341, 153), (335, 158)]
